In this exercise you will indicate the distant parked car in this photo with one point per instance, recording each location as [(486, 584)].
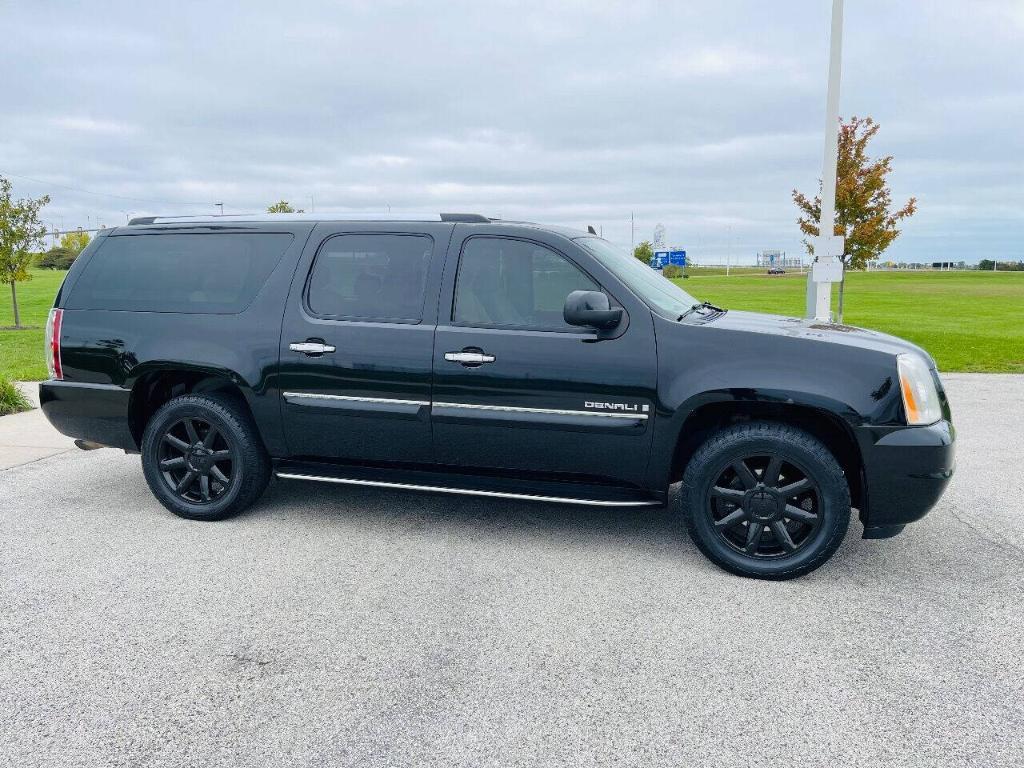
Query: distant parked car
[(776, 271)]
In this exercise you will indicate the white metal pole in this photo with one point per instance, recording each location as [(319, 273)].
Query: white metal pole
[(819, 292)]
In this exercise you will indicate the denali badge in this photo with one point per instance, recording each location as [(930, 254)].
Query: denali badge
[(617, 406)]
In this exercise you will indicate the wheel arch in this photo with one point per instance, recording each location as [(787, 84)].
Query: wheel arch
[(822, 422), (158, 384)]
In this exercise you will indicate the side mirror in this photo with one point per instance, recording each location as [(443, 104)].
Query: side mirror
[(591, 308)]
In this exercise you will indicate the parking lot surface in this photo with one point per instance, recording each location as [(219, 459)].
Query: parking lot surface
[(345, 626)]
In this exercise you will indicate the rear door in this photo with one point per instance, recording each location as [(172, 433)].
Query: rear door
[(515, 387), (357, 341)]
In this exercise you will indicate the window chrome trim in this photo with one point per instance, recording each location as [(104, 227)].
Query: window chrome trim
[(352, 398), (549, 411)]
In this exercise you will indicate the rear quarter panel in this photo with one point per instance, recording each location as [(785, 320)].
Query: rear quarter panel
[(117, 348)]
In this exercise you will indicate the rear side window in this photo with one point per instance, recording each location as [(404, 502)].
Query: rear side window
[(205, 273), (516, 284), (370, 277)]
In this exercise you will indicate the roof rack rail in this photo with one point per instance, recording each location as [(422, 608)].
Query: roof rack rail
[(466, 218), (461, 218)]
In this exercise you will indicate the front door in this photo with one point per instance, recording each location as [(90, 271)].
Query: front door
[(357, 341), (515, 387)]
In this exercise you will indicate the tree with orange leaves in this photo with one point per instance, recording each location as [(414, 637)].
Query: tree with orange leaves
[(864, 214)]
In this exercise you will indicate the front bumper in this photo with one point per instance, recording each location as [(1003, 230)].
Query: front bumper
[(906, 471)]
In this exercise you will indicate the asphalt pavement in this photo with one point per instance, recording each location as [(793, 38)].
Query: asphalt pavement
[(347, 626)]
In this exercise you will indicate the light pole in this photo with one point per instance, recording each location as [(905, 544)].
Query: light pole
[(221, 206), (728, 252), (827, 267)]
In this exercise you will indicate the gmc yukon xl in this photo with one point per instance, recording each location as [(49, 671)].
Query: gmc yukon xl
[(459, 354)]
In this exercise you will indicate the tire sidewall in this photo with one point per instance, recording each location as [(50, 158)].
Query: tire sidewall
[(170, 413), (704, 470)]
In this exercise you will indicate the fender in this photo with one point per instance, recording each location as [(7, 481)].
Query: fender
[(759, 372)]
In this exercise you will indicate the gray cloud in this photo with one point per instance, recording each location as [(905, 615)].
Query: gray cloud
[(702, 116)]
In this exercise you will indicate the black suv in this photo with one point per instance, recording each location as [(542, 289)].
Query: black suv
[(460, 354)]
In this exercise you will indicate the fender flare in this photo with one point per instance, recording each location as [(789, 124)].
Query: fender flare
[(671, 427)]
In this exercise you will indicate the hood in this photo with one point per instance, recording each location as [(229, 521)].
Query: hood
[(813, 330)]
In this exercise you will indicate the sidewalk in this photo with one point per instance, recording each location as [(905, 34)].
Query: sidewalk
[(27, 437)]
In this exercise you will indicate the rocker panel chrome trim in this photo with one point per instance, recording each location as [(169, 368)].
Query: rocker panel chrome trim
[(467, 491)]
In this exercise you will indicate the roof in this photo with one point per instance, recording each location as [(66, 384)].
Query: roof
[(253, 218)]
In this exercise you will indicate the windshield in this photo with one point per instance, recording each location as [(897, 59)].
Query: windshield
[(659, 293)]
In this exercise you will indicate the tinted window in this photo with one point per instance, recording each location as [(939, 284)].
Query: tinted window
[(371, 277), (215, 273), (515, 283)]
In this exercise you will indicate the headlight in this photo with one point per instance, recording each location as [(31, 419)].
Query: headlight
[(920, 398)]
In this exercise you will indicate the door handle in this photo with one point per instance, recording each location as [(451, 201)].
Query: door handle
[(469, 358), (310, 347)]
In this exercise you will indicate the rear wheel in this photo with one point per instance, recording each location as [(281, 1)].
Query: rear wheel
[(766, 500), (203, 457)]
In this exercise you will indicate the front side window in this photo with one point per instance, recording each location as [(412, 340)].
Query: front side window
[(217, 273), (371, 277), (516, 284)]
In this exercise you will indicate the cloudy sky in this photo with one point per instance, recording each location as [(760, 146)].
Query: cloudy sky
[(700, 115)]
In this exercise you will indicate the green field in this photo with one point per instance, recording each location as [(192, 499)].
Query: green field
[(21, 352), (970, 321), (705, 271)]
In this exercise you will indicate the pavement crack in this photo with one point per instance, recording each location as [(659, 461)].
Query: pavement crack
[(1002, 544), (246, 658)]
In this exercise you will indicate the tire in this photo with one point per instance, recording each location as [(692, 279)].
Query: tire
[(203, 457), (773, 476)]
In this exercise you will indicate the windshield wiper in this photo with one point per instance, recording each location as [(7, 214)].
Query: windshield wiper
[(702, 305)]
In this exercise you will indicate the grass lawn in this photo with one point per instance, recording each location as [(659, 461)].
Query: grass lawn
[(21, 352), (969, 321)]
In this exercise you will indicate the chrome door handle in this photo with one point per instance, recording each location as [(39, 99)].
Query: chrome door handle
[(310, 347), (469, 358)]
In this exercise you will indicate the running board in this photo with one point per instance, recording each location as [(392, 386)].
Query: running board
[(595, 496)]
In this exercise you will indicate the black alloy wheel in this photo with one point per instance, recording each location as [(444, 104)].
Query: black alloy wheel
[(196, 460), (764, 506), (203, 456), (766, 500)]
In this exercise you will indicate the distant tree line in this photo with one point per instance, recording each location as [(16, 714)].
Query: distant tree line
[(1001, 266)]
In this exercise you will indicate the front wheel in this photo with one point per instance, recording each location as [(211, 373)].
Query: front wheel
[(765, 500), (203, 457)]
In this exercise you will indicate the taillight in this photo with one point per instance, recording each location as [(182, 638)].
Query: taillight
[(53, 344)]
